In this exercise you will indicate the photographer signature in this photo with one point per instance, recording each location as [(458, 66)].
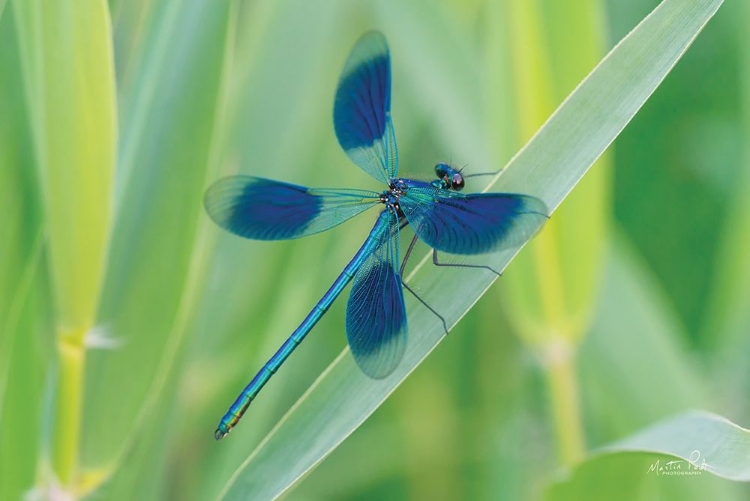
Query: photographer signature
[(694, 465)]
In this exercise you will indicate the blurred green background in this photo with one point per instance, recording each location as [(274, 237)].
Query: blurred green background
[(129, 322)]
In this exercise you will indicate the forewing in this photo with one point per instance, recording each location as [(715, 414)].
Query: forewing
[(362, 109), (263, 209), (376, 326), (474, 223)]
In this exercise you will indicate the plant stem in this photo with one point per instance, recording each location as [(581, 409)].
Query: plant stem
[(562, 383), (67, 424)]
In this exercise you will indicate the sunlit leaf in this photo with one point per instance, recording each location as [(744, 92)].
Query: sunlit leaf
[(74, 123), (550, 294)]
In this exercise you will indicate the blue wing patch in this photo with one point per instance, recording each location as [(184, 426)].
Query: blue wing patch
[(473, 223), (361, 111), (376, 326), (263, 209)]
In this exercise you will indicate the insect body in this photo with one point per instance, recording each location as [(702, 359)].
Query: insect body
[(448, 221)]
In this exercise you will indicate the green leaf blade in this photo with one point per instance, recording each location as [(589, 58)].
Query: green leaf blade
[(681, 455), (69, 72), (173, 100), (713, 442), (68, 69), (22, 320)]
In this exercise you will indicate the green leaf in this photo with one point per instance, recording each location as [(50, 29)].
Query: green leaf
[(625, 477), (548, 167), (550, 293), (24, 414), (68, 68), (633, 353), (22, 322), (723, 446), (675, 451), (20, 226), (727, 315), (66, 54), (171, 101)]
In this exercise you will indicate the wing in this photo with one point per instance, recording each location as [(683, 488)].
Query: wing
[(262, 209), (375, 314), (362, 109), (474, 223)]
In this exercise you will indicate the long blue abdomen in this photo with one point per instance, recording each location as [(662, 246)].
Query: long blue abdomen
[(240, 405)]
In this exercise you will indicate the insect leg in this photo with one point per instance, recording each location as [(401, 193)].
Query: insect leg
[(401, 273), (445, 326), (437, 263)]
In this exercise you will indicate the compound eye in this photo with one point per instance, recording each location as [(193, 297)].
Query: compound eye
[(457, 182), (441, 170)]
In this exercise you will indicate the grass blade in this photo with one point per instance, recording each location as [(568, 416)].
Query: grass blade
[(695, 444), (549, 296), (548, 167), (723, 445), (21, 241), (68, 68), (167, 152), (74, 124)]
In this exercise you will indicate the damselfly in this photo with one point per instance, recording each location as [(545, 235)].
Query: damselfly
[(443, 218)]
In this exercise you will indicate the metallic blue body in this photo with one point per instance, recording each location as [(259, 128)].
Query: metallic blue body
[(448, 221), (237, 409)]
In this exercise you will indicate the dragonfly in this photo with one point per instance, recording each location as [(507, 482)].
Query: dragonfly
[(440, 216)]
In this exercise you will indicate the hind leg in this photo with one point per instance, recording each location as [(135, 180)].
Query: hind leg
[(437, 263), (406, 286)]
